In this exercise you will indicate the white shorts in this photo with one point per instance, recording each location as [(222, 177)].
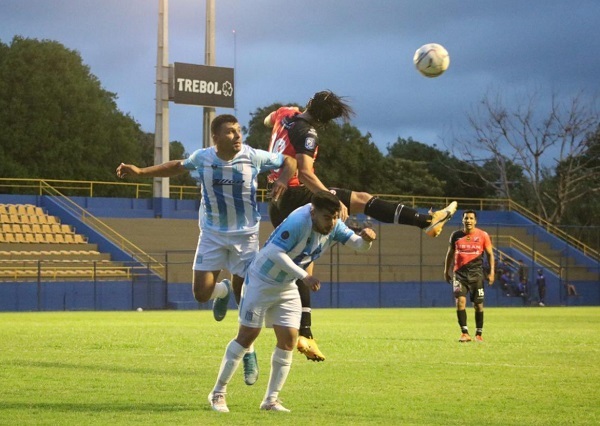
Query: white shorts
[(269, 304), (217, 251)]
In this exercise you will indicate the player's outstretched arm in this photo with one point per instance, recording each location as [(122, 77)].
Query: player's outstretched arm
[(168, 169)]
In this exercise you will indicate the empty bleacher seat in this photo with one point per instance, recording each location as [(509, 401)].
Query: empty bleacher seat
[(80, 239)]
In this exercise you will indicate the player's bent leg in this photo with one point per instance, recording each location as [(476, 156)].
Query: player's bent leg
[(358, 201), (203, 285)]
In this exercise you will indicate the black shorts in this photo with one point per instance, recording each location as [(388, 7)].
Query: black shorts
[(470, 283), (298, 196)]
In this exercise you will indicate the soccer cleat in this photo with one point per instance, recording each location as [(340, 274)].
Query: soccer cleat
[(464, 338), (273, 406), (309, 348), (217, 402), (220, 304), (542, 304), (250, 368), (478, 338), (439, 219)]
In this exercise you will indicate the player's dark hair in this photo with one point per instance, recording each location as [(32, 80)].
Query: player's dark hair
[(325, 200), (470, 211), (325, 106), (219, 120)]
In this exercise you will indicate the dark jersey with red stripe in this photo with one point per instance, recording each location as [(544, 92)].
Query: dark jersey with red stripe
[(469, 249), (292, 135)]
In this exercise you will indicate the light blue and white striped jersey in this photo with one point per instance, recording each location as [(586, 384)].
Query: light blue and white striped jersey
[(228, 202), (295, 237)]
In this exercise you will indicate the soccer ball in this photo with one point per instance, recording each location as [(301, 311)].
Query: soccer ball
[(431, 60)]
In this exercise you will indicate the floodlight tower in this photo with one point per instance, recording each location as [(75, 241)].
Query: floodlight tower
[(209, 60), (160, 187)]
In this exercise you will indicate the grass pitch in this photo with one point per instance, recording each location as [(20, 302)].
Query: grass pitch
[(538, 366)]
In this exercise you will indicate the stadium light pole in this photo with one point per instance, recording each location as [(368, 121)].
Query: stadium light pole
[(161, 123), (209, 60), (235, 71)]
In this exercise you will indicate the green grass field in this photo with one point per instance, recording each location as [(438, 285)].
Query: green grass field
[(538, 366)]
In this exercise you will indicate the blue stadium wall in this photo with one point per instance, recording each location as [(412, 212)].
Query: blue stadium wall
[(155, 294)]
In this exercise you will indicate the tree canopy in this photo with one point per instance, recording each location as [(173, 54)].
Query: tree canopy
[(56, 119)]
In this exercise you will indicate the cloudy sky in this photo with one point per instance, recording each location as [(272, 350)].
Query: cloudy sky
[(285, 50)]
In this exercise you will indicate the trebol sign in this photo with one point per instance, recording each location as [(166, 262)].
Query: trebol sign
[(202, 85)]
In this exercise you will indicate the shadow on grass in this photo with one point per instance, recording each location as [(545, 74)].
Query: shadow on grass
[(95, 367), (105, 407)]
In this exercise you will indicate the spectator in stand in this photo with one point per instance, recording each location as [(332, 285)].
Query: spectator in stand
[(522, 274), (540, 282), (505, 283)]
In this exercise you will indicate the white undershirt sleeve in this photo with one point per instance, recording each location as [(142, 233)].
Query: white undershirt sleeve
[(280, 257), (357, 243)]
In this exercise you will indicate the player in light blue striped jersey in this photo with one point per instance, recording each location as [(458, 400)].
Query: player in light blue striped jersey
[(270, 295), (229, 216)]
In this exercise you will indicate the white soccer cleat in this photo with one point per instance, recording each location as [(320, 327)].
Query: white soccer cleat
[(273, 406), (217, 402)]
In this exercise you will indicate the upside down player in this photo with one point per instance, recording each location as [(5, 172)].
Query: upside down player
[(466, 250), (294, 135)]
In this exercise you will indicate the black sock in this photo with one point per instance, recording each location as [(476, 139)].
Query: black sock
[(479, 321), (388, 212), (306, 320), (462, 320), (305, 330)]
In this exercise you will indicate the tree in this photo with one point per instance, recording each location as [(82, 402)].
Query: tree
[(550, 146), (57, 121), (458, 178)]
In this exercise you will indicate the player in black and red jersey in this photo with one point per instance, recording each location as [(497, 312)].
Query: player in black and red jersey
[(466, 251), (294, 134)]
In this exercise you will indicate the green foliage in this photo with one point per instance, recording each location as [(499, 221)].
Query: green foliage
[(57, 121), (347, 159), (153, 367), (176, 152), (458, 178)]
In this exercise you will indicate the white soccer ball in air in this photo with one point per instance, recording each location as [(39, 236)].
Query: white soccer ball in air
[(431, 60)]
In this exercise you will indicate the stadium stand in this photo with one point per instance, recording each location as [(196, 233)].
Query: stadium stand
[(36, 245)]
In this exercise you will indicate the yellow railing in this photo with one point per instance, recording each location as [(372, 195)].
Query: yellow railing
[(118, 239), (587, 250), (508, 241)]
